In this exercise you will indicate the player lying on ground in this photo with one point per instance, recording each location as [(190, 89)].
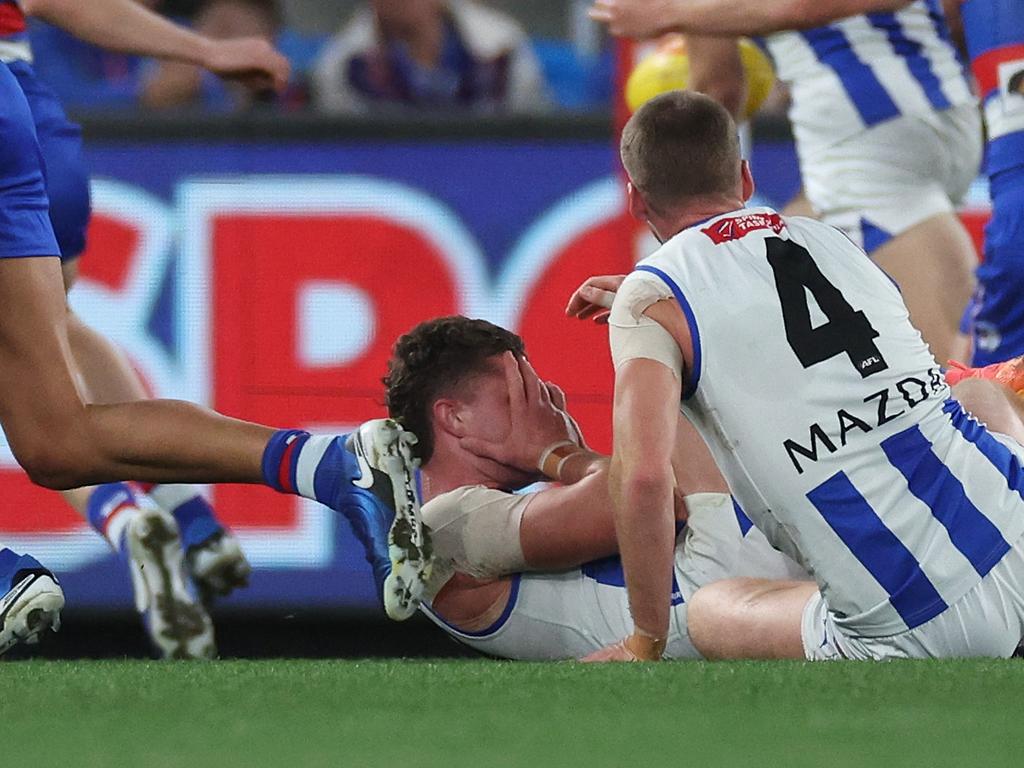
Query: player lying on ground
[(65, 441), (485, 421), (123, 513), (886, 127), (509, 578), (849, 453)]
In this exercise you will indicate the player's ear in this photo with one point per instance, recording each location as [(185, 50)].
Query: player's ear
[(746, 181), (448, 417), (636, 202)]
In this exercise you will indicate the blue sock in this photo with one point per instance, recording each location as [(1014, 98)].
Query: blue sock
[(11, 564), (196, 519), (109, 509), (314, 466)]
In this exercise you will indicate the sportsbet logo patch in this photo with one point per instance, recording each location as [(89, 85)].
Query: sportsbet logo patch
[(733, 228)]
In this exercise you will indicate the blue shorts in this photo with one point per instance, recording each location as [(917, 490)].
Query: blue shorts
[(25, 228), (67, 181), (997, 311)]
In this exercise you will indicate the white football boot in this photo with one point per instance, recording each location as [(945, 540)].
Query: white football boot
[(382, 503), (218, 566), (177, 622), (31, 606)]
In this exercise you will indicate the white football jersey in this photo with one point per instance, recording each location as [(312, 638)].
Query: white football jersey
[(831, 420), (863, 70), (572, 613)]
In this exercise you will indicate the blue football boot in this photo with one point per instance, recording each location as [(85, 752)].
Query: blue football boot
[(32, 602), (378, 497)]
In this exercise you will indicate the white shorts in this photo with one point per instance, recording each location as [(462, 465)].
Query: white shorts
[(573, 613), (988, 621), (888, 178)]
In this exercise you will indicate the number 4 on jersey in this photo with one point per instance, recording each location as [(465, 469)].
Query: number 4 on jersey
[(847, 330)]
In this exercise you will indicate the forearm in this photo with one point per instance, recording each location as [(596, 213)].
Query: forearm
[(756, 17), (123, 25), (644, 523), (565, 527)]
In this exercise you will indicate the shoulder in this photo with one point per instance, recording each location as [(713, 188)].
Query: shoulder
[(447, 508)]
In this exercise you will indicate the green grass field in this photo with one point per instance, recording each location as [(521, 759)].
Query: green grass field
[(303, 714)]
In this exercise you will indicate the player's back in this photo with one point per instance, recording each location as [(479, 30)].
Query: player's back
[(864, 70), (831, 420), (994, 31), (14, 44)]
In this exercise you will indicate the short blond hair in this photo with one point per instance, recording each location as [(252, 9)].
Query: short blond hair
[(680, 145)]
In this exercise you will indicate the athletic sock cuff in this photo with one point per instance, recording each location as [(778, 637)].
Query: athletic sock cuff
[(280, 458)]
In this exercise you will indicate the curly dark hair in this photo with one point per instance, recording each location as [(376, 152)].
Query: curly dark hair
[(431, 360)]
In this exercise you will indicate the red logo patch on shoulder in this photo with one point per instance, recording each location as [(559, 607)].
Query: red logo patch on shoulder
[(724, 230)]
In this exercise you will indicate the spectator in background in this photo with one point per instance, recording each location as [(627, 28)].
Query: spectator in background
[(170, 84), (82, 75), (429, 55)]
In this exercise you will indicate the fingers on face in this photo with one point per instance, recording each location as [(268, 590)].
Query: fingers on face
[(514, 379), (556, 394)]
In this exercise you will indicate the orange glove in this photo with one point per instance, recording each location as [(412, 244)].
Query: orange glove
[(1009, 373)]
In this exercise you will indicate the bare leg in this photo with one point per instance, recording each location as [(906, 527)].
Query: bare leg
[(933, 263), (749, 619), (62, 442), (800, 206), (104, 375), (993, 405)]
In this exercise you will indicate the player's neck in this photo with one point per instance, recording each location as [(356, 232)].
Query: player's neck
[(447, 471), (695, 212)]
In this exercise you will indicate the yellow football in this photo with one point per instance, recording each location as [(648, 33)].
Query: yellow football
[(668, 69)]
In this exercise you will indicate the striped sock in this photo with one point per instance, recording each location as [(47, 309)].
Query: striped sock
[(314, 466), (110, 508), (196, 518)]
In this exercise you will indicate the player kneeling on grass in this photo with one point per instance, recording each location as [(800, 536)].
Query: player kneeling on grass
[(535, 576), (793, 356)]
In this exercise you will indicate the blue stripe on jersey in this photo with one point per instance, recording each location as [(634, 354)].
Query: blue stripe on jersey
[(938, 18), (873, 102), (608, 571), (741, 517), (694, 374), (480, 634), (911, 52), (872, 238), (1001, 457), (878, 549), (934, 484)]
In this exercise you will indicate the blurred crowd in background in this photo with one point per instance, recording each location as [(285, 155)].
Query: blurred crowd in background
[(359, 57)]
